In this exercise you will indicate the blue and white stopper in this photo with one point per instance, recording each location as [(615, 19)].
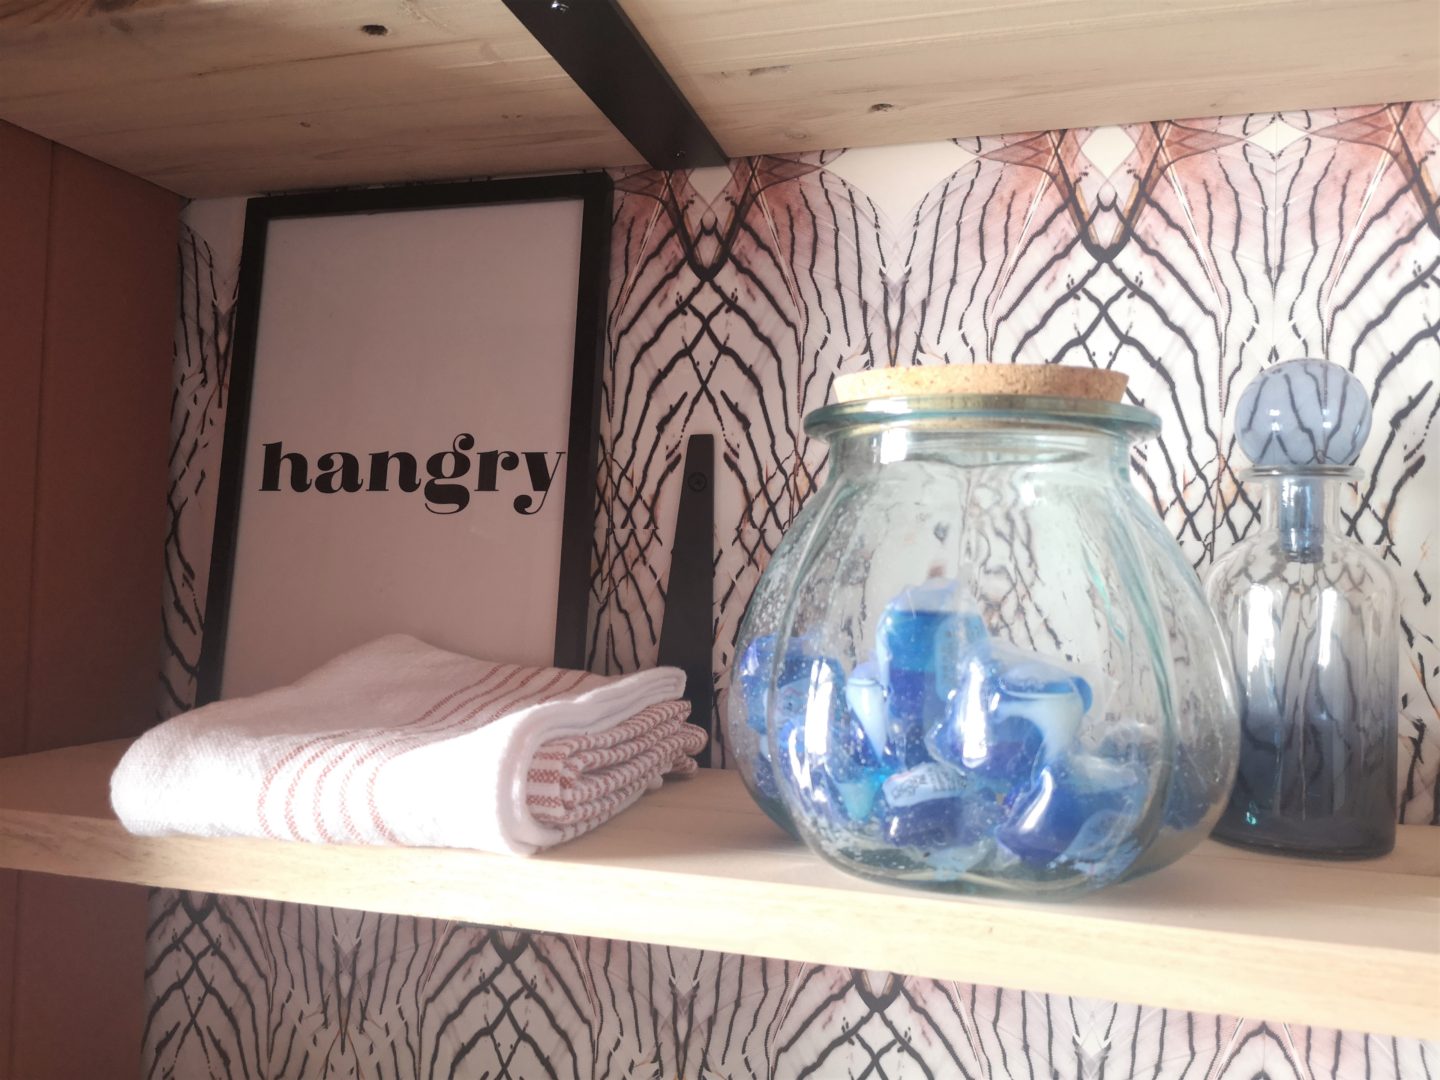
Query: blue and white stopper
[(1302, 418), (1303, 413)]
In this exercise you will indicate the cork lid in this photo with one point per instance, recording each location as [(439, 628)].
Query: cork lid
[(1033, 380)]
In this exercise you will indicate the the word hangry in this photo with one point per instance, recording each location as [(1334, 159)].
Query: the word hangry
[(339, 472)]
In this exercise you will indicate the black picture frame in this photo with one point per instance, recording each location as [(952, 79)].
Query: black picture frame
[(594, 191)]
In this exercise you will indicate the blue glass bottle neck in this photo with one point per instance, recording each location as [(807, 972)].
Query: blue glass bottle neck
[(1303, 510)]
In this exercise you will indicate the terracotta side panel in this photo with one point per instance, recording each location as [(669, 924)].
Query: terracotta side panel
[(87, 270), (80, 965), (9, 942), (24, 216), (100, 508)]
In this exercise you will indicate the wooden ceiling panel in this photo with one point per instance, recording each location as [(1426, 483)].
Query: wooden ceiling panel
[(212, 97), (239, 96), (815, 74)]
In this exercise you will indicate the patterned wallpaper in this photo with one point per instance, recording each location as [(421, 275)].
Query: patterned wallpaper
[(1186, 254)]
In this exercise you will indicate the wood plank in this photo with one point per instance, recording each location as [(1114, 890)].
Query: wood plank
[(24, 220), (813, 74), (102, 443), (1342, 945), (238, 96)]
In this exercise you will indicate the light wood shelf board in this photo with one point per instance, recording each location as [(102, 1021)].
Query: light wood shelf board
[(238, 96), (1342, 945), (949, 69)]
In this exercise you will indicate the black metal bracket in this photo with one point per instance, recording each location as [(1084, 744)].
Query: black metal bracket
[(600, 49), (687, 632)]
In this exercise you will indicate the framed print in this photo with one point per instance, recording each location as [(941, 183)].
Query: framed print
[(410, 441)]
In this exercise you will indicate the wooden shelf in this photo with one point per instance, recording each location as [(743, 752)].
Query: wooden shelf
[(1342, 945), (241, 96)]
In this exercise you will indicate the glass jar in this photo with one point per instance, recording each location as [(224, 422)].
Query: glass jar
[(1311, 617), (747, 705), (994, 671)]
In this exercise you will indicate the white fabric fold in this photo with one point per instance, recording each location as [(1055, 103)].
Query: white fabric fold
[(403, 743)]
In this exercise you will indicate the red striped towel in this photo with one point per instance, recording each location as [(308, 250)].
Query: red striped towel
[(578, 782), (399, 742)]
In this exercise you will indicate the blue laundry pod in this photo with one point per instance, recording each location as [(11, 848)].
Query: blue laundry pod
[(921, 634), (1008, 712), (865, 694), (859, 793), (806, 770), (792, 763), (1004, 752), (957, 634), (849, 751), (924, 625), (911, 704), (931, 807), (1045, 820), (753, 671), (812, 687), (1030, 676)]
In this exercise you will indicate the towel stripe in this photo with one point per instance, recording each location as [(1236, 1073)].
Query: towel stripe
[(354, 747), (308, 747), (548, 692)]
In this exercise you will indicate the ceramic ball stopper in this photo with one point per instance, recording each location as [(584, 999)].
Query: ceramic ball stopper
[(1303, 413)]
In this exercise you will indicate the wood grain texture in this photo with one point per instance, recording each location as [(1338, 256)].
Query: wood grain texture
[(100, 488), (239, 96), (812, 74), (1043, 380), (24, 219), (1338, 945)]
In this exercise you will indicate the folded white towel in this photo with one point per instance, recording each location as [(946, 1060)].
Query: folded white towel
[(399, 742)]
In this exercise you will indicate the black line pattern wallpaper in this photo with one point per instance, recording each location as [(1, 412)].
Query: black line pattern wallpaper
[(1187, 254), (197, 432), (248, 988)]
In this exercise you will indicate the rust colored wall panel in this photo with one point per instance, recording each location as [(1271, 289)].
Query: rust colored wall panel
[(9, 942), (24, 217), (104, 427), (87, 272), (79, 970)]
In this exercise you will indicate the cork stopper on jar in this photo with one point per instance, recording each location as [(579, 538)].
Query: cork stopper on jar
[(1038, 380)]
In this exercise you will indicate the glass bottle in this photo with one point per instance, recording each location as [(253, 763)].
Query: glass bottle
[(1310, 615)]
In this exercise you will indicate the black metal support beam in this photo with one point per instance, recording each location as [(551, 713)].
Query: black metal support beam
[(600, 49), (687, 633)]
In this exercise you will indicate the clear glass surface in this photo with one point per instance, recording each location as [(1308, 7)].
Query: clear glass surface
[(989, 669), (1311, 619), (747, 706)]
